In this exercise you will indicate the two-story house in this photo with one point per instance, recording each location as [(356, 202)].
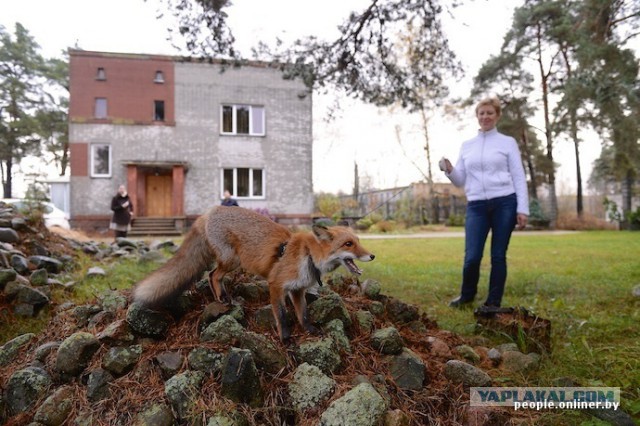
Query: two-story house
[(179, 131)]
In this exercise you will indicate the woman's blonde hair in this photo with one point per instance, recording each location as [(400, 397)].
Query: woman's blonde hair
[(494, 102)]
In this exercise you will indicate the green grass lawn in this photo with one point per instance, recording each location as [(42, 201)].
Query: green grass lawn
[(581, 282)]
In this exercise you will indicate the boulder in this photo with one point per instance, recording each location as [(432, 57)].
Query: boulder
[(240, 378), (182, 391), (461, 372), (309, 387), (387, 341), (408, 370), (147, 322), (75, 352), (24, 388), (361, 406), (56, 408), (322, 353)]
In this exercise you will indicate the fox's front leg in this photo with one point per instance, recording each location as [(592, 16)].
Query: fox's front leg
[(279, 313), (300, 305), (217, 287)]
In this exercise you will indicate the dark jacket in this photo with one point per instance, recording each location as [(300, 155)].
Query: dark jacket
[(229, 202), (121, 214)]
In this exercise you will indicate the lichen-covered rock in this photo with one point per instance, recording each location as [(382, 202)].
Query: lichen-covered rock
[(10, 349), (148, 322), (328, 308), (112, 301), (205, 360), (467, 374), (7, 275), (225, 330), (468, 353), (56, 408), (121, 360), (371, 289), (52, 265), (365, 320), (182, 390), (361, 406), (266, 355), (75, 352), (39, 277), (408, 370), (24, 388), (240, 378), (387, 341), (155, 415), (309, 387), (322, 353), (116, 333), (400, 312), (376, 308), (335, 330)]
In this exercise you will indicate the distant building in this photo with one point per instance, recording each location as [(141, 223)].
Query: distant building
[(179, 131)]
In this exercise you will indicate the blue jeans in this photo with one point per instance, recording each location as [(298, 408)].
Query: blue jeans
[(499, 216)]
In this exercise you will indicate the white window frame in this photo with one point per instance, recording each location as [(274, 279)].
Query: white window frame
[(92, 155), (234, 119), (234, 190)]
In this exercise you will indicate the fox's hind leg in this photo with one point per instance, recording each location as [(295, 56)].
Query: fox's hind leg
[(217, 287)]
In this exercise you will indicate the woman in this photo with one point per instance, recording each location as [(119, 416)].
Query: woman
[(122, 213), (490, 169)]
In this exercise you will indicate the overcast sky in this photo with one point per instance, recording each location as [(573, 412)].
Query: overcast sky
[(362, 133)]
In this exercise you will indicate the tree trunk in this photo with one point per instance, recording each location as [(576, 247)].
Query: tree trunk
[(8, 182)]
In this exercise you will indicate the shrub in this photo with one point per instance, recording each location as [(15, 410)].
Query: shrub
[(455, 220), (585, 223), (385, 226)]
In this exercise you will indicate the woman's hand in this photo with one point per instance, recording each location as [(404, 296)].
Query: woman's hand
[(522, 220)]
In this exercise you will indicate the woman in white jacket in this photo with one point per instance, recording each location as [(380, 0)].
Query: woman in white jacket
[(490, 169)]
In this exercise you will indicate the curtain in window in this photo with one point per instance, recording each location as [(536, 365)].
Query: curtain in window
[(101, 159), (257, 183), (242, 117), (243, 183), (227, 120)]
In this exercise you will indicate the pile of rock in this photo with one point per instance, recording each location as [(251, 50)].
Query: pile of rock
[(378, 362)]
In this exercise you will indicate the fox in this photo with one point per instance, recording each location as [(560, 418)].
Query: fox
[(238, 237)]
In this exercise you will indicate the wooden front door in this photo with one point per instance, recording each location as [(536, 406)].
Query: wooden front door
[(158, 195)]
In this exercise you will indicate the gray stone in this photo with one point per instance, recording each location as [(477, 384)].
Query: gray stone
[(8, 235), (212, 312), (24, 310), (309, 387), (9, 350), (116, 333), (170, 363), (327, 308), (226, 330), (75, 352), (264, 318), (84, 313), (251, 292), (361, 406), (155, 415), (56, 408), (518, 362), (266, 355), (507, 347), (19, 224), (43, 351), (24, 388), (20, 264), (396, 418), (182, 391), (119, 361), (240, 378), (408, 371), (636, 291), (494, 356), (387, 341), (96, 271), (52, 265), (152, 256), (148, 322), (461, 372), (7, 275), (205, 360), (30, 296), (98, 385), (400, 312)]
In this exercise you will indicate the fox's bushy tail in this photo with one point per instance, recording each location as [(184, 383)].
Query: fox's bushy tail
[(174, 277)]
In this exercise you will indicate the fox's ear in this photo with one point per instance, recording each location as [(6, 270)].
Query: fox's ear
[(322, 232)]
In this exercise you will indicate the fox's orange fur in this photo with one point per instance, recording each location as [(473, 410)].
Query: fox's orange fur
[(237, 237)]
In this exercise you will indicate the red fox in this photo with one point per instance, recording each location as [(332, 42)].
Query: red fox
[(237, 237)]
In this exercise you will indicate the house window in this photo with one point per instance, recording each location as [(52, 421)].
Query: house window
[(101, 108), (243, 182), (159, 77), (100, 160), (243, 120), (158, 110), (100, 74)]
